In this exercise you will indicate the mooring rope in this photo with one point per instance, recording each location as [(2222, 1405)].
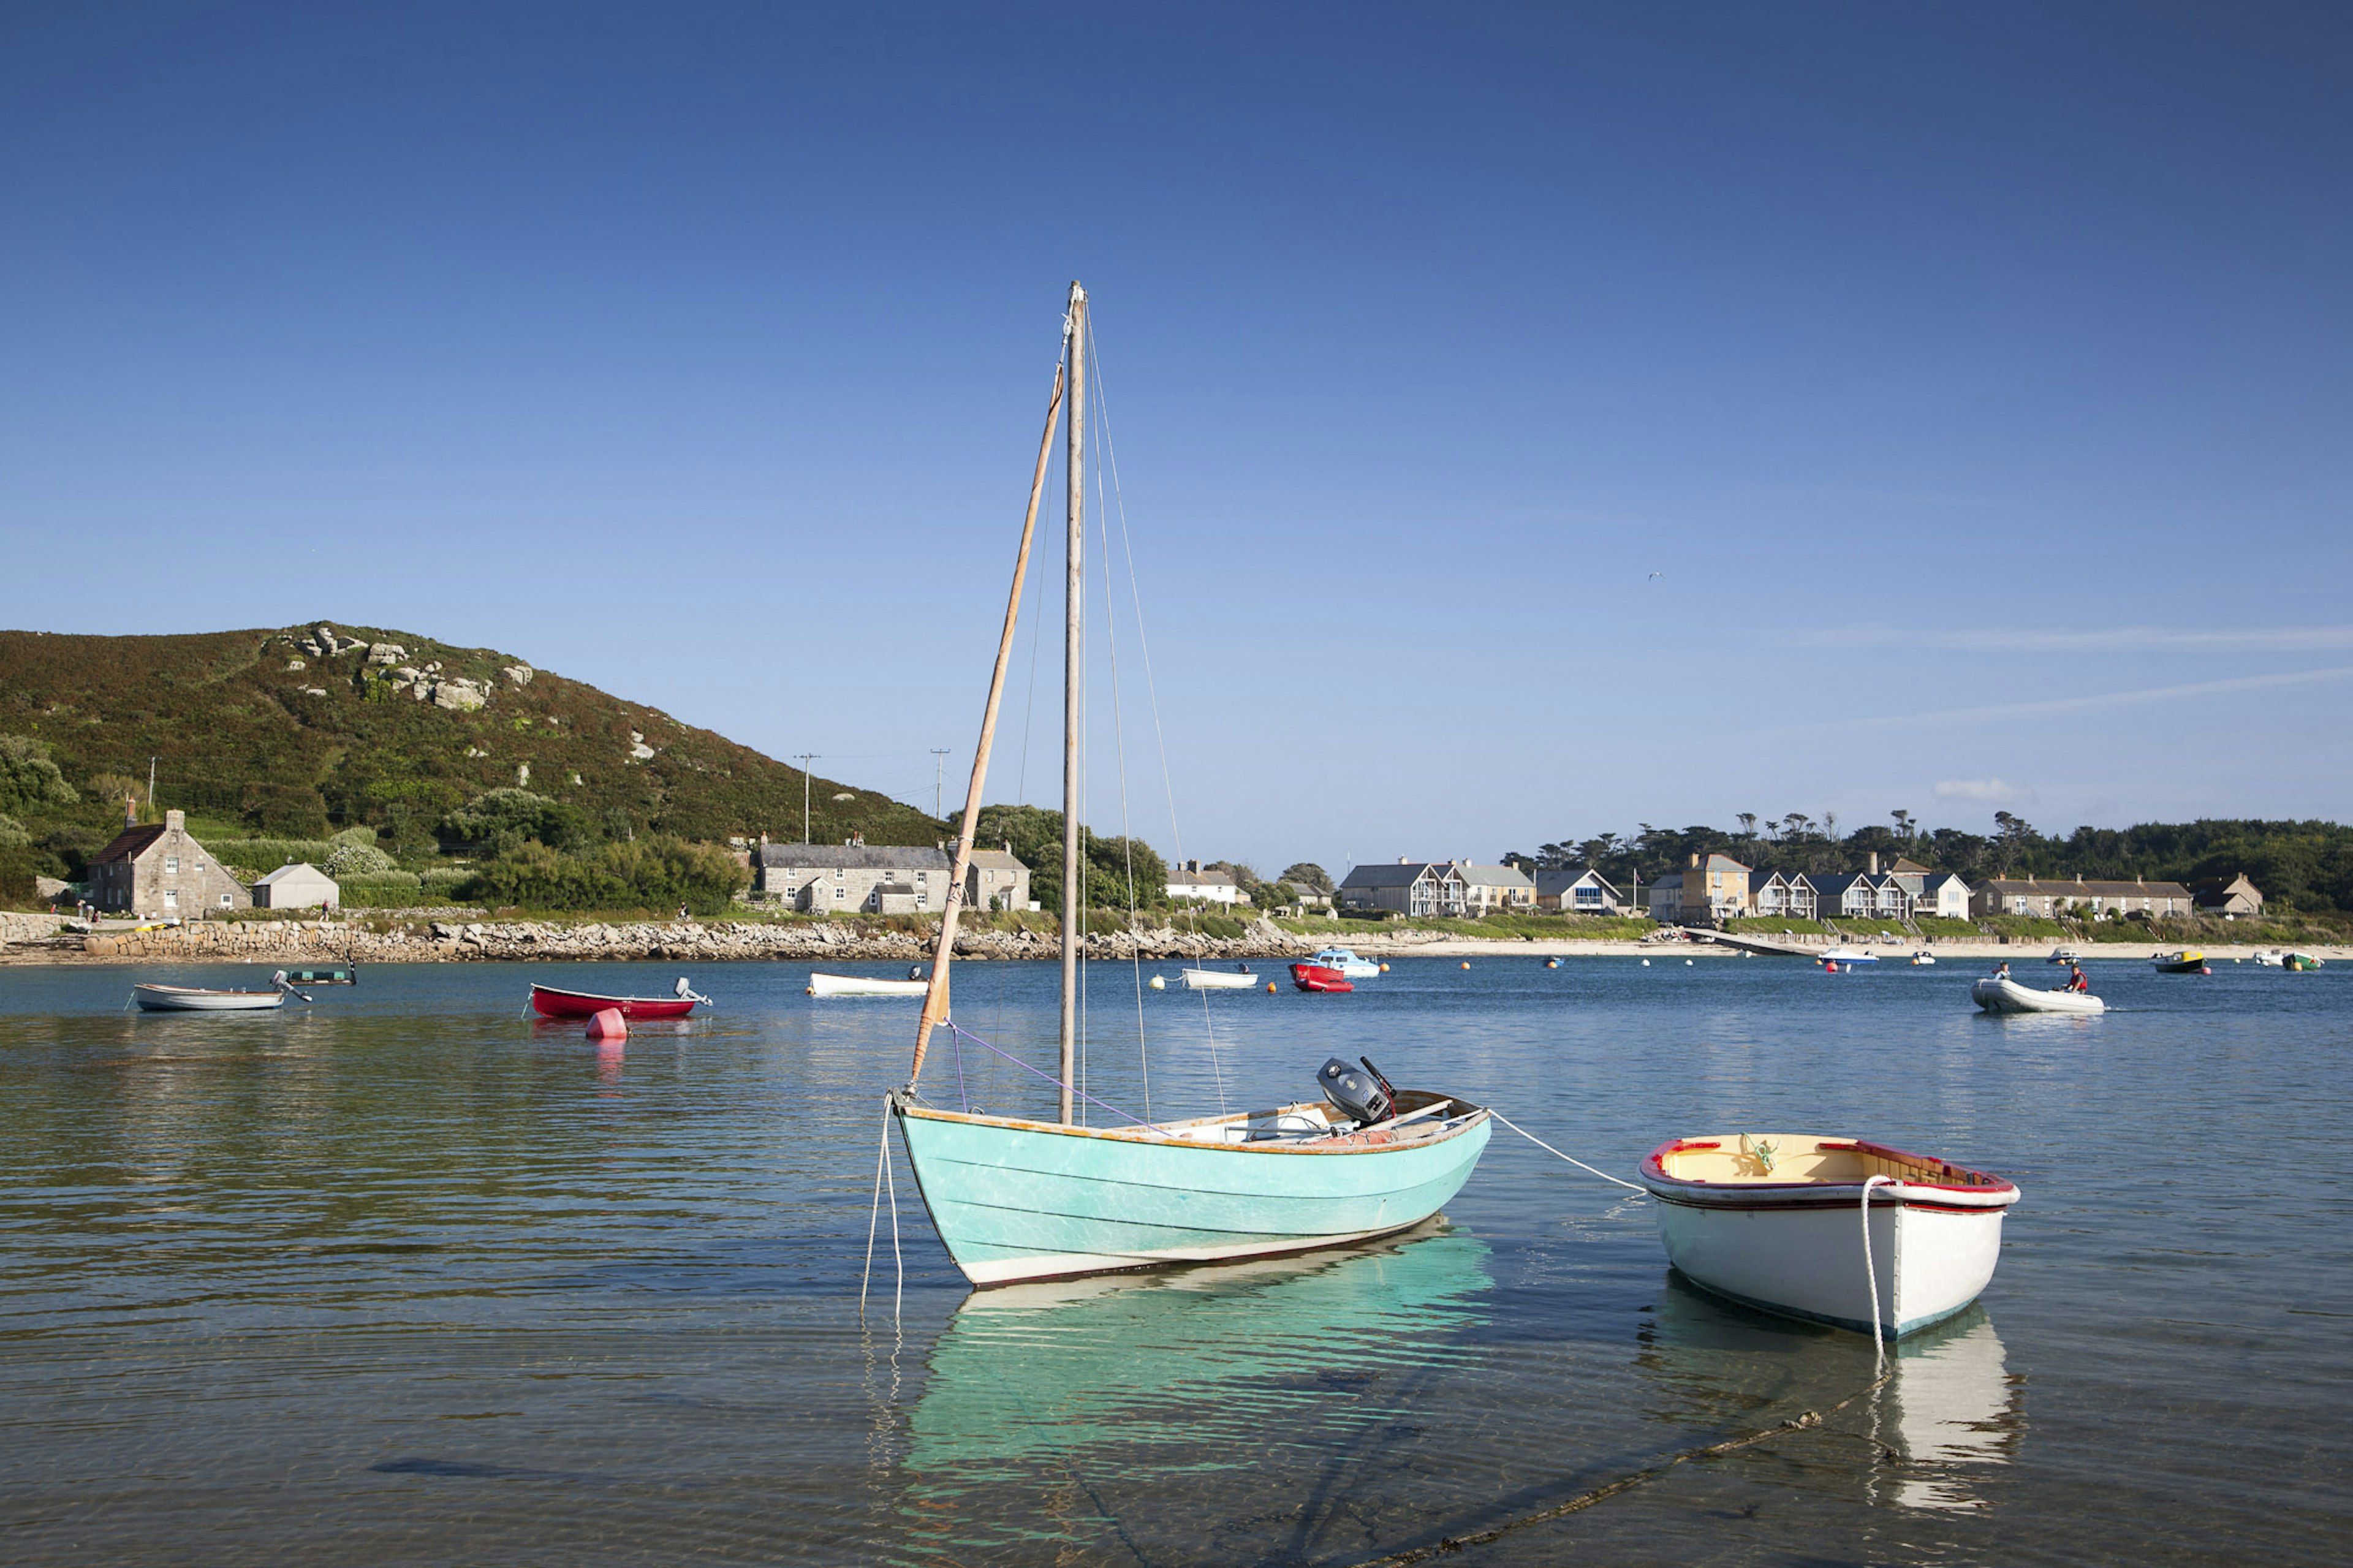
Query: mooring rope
[(1870, 1273), (1557, 1154), (883, 1178), (1809, 1421)]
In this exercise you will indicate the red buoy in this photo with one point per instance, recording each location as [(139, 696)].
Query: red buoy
[(608, 1024)]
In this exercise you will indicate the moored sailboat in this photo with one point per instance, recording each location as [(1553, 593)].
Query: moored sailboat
[(1019, 1199)]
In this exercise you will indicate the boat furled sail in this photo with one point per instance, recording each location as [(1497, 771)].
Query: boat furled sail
[(1019, 1199)]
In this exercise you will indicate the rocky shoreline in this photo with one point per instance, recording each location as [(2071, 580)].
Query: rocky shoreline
[(452, 938)]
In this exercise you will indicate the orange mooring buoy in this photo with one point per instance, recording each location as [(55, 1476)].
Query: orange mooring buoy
[(1269, 987), (1466, 963)]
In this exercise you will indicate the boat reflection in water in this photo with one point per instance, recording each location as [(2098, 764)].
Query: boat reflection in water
[(1180, 1406), (1952, 1406)]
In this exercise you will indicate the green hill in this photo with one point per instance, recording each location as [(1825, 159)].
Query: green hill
[(296, 732)]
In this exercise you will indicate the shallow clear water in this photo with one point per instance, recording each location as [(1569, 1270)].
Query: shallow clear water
[(407, 1276)]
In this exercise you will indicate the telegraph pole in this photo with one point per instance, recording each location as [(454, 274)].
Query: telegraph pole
[(939, 768), (806, 758)]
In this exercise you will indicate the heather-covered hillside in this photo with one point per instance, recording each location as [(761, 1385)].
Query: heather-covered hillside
[(294, 732)]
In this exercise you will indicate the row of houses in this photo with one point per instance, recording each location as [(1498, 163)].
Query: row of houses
[(1716, 888)]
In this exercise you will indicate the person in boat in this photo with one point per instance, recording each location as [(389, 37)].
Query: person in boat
[(2075, 980), (2001, 969), (915, 972), (1244, 968)]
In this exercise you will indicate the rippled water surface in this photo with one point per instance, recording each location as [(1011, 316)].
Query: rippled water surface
[(407, 1276)]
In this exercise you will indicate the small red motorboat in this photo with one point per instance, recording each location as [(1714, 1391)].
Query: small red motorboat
[(551, 1003), (1319, 977)]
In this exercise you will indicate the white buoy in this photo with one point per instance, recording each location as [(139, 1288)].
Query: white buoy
[(1158, 983), (1646, 963), (1687, 964)]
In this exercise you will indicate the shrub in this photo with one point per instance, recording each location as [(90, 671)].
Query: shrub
[(387, 890), (657, 871), (508, 817), (358, 860), (29, 778)]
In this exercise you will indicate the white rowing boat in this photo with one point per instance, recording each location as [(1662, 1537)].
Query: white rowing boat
[(860, 986), (193, 999), (1221, 980), (1997, 994), (1777, 1222)]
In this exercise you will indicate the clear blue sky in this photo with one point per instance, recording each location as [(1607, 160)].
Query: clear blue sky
[(1976, 379)]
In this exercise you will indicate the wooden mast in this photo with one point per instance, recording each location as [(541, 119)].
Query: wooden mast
[(935, 996), (1073, 659)]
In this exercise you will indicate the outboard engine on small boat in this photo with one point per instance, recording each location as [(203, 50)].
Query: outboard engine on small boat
[(1363, 1096)]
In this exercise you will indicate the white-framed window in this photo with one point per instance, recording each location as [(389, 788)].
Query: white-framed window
[(841, 892), (171, 865), (225, 903), (836, 873), (921, 876), (170, 897)]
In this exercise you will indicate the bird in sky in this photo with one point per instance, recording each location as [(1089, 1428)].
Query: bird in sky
[(1655, 577)]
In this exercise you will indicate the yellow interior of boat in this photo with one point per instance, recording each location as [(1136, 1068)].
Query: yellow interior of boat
[(1733, 1158)]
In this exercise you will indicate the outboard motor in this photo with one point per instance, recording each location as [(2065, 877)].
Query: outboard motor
[(1362, 1096)]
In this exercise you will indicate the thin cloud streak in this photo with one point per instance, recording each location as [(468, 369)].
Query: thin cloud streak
[(2058, 705), (2112, 639)]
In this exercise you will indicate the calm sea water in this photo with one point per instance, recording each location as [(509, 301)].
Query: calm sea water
[(406, 1277)]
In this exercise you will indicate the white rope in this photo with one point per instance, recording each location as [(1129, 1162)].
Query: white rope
[(1871, 1271), (1557, 1154), (883, 1180)]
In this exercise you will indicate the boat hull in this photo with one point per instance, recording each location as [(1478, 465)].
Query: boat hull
[(1998, 995), (858, 985), (184, 999), (1023, 1200), (1319, 977), (550, 1003), (1795, 1248), (1218, 979), (1345, 961)]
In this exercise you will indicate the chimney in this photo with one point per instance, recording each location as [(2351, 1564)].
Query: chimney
[(130, 809), (1008, 846), (1403, 861), (1694, 860), (1874, 862), (178, 821)]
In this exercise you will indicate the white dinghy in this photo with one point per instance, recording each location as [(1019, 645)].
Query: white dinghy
[(2000, 994), (860, 985), (196, 999), (1778, 1223), (1221, 980)]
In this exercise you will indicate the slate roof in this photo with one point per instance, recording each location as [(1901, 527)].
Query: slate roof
[(1493, 876), (288, 870), (2035, 888), (128, 844), (1553, 884), (854, 856), (1384, 874), (996, 860)]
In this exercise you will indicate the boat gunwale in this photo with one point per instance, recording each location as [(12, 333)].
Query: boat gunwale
[(1153, 1135), (197, 989), (1689, 1192), (599, 996)]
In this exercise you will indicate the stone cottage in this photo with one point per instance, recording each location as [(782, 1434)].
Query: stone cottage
[(156, 873)]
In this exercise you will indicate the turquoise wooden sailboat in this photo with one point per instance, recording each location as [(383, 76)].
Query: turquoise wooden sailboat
[(1016, 1199)]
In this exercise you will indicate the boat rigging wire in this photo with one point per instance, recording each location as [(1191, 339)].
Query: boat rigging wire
[(1119, 732), (1152, 692), (1049, 1078)]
